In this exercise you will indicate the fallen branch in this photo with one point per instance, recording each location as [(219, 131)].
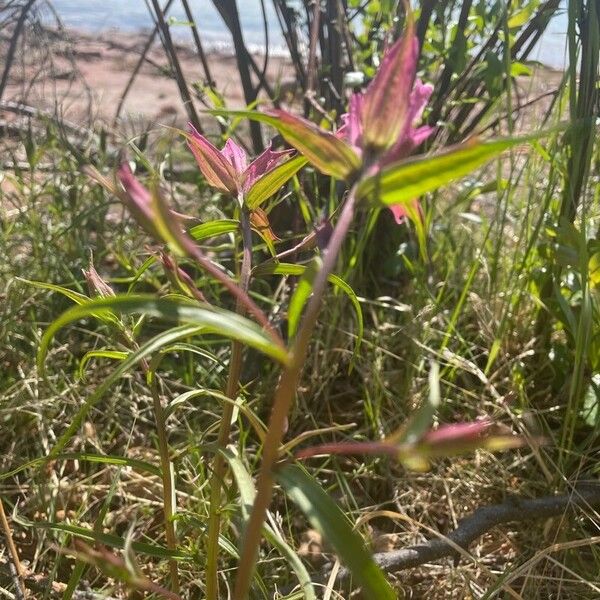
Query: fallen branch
[(481, 521)]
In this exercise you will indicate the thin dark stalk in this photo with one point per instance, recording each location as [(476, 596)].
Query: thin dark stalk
[(198, 43), (169, 47), (231, 391), (12, 48), (12, 549), (427, 7), (139, 65), (285, 16), (311, 69), (211, 269), (480, 522), (284, 397), (229, 12), (334, 39), (263, 74)]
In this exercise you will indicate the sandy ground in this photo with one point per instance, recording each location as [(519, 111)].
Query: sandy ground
[(83, 79)]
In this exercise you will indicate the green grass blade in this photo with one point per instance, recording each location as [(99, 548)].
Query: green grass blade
[(327, 517), (404, 181), (117, 461), (273, 181), (110, 540), (247, 491), (214, 229), (272, 268), (112, 354), (301, 295), (105, 317), (211, 319), (134, 358)]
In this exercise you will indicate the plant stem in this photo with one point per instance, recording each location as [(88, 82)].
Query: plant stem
[(284, 397), (231, 391), (10, 544), (167, 477), (236, 291)]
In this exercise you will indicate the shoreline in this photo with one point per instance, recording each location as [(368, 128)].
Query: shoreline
[(85, 75)]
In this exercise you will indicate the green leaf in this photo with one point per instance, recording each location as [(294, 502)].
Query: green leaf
[(517, 69), (245, 485), (273, 268), (117, 461), (71, 295), (326, 516), (113, 354), (404, 181), (110, 540), (149, 348), (271, 183), (420, 421), (522, 16), (214, 229), (325, 151), (210, 318), (301, 295)]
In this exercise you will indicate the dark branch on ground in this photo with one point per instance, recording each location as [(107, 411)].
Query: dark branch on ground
[(481, 521)]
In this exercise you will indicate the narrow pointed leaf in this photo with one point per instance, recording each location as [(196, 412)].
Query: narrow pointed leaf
[(149, 348), (420, 421), (273, 268), (269, 184), (405, 181), (166, 222), (214, 229), (110, 540), (302, 294), (217, 170), (210, 318), (112, 354), (71, 295), (247, 490), (118, 461), (259, 221), (326, 516), (386, 102), (329, 154)]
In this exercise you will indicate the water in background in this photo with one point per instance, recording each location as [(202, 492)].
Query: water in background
[(131, 15)]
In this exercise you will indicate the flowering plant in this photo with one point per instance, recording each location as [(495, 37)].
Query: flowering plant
[(371, 152)]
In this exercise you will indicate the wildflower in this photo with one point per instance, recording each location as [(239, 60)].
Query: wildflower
[(379, 128), (228, 170)]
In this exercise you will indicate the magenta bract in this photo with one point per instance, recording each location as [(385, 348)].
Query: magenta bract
[(228, 169)]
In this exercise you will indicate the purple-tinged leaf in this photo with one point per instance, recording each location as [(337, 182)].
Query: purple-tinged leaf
[(263, 164), (386, 104), (235, 155), (137, 199), (97, 285), (328, 153), (351, 129), (218, 171)]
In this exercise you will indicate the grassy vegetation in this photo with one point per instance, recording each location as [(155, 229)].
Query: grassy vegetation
[(498, 285)]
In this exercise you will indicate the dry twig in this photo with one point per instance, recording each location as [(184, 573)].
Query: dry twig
[(481, 521)]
